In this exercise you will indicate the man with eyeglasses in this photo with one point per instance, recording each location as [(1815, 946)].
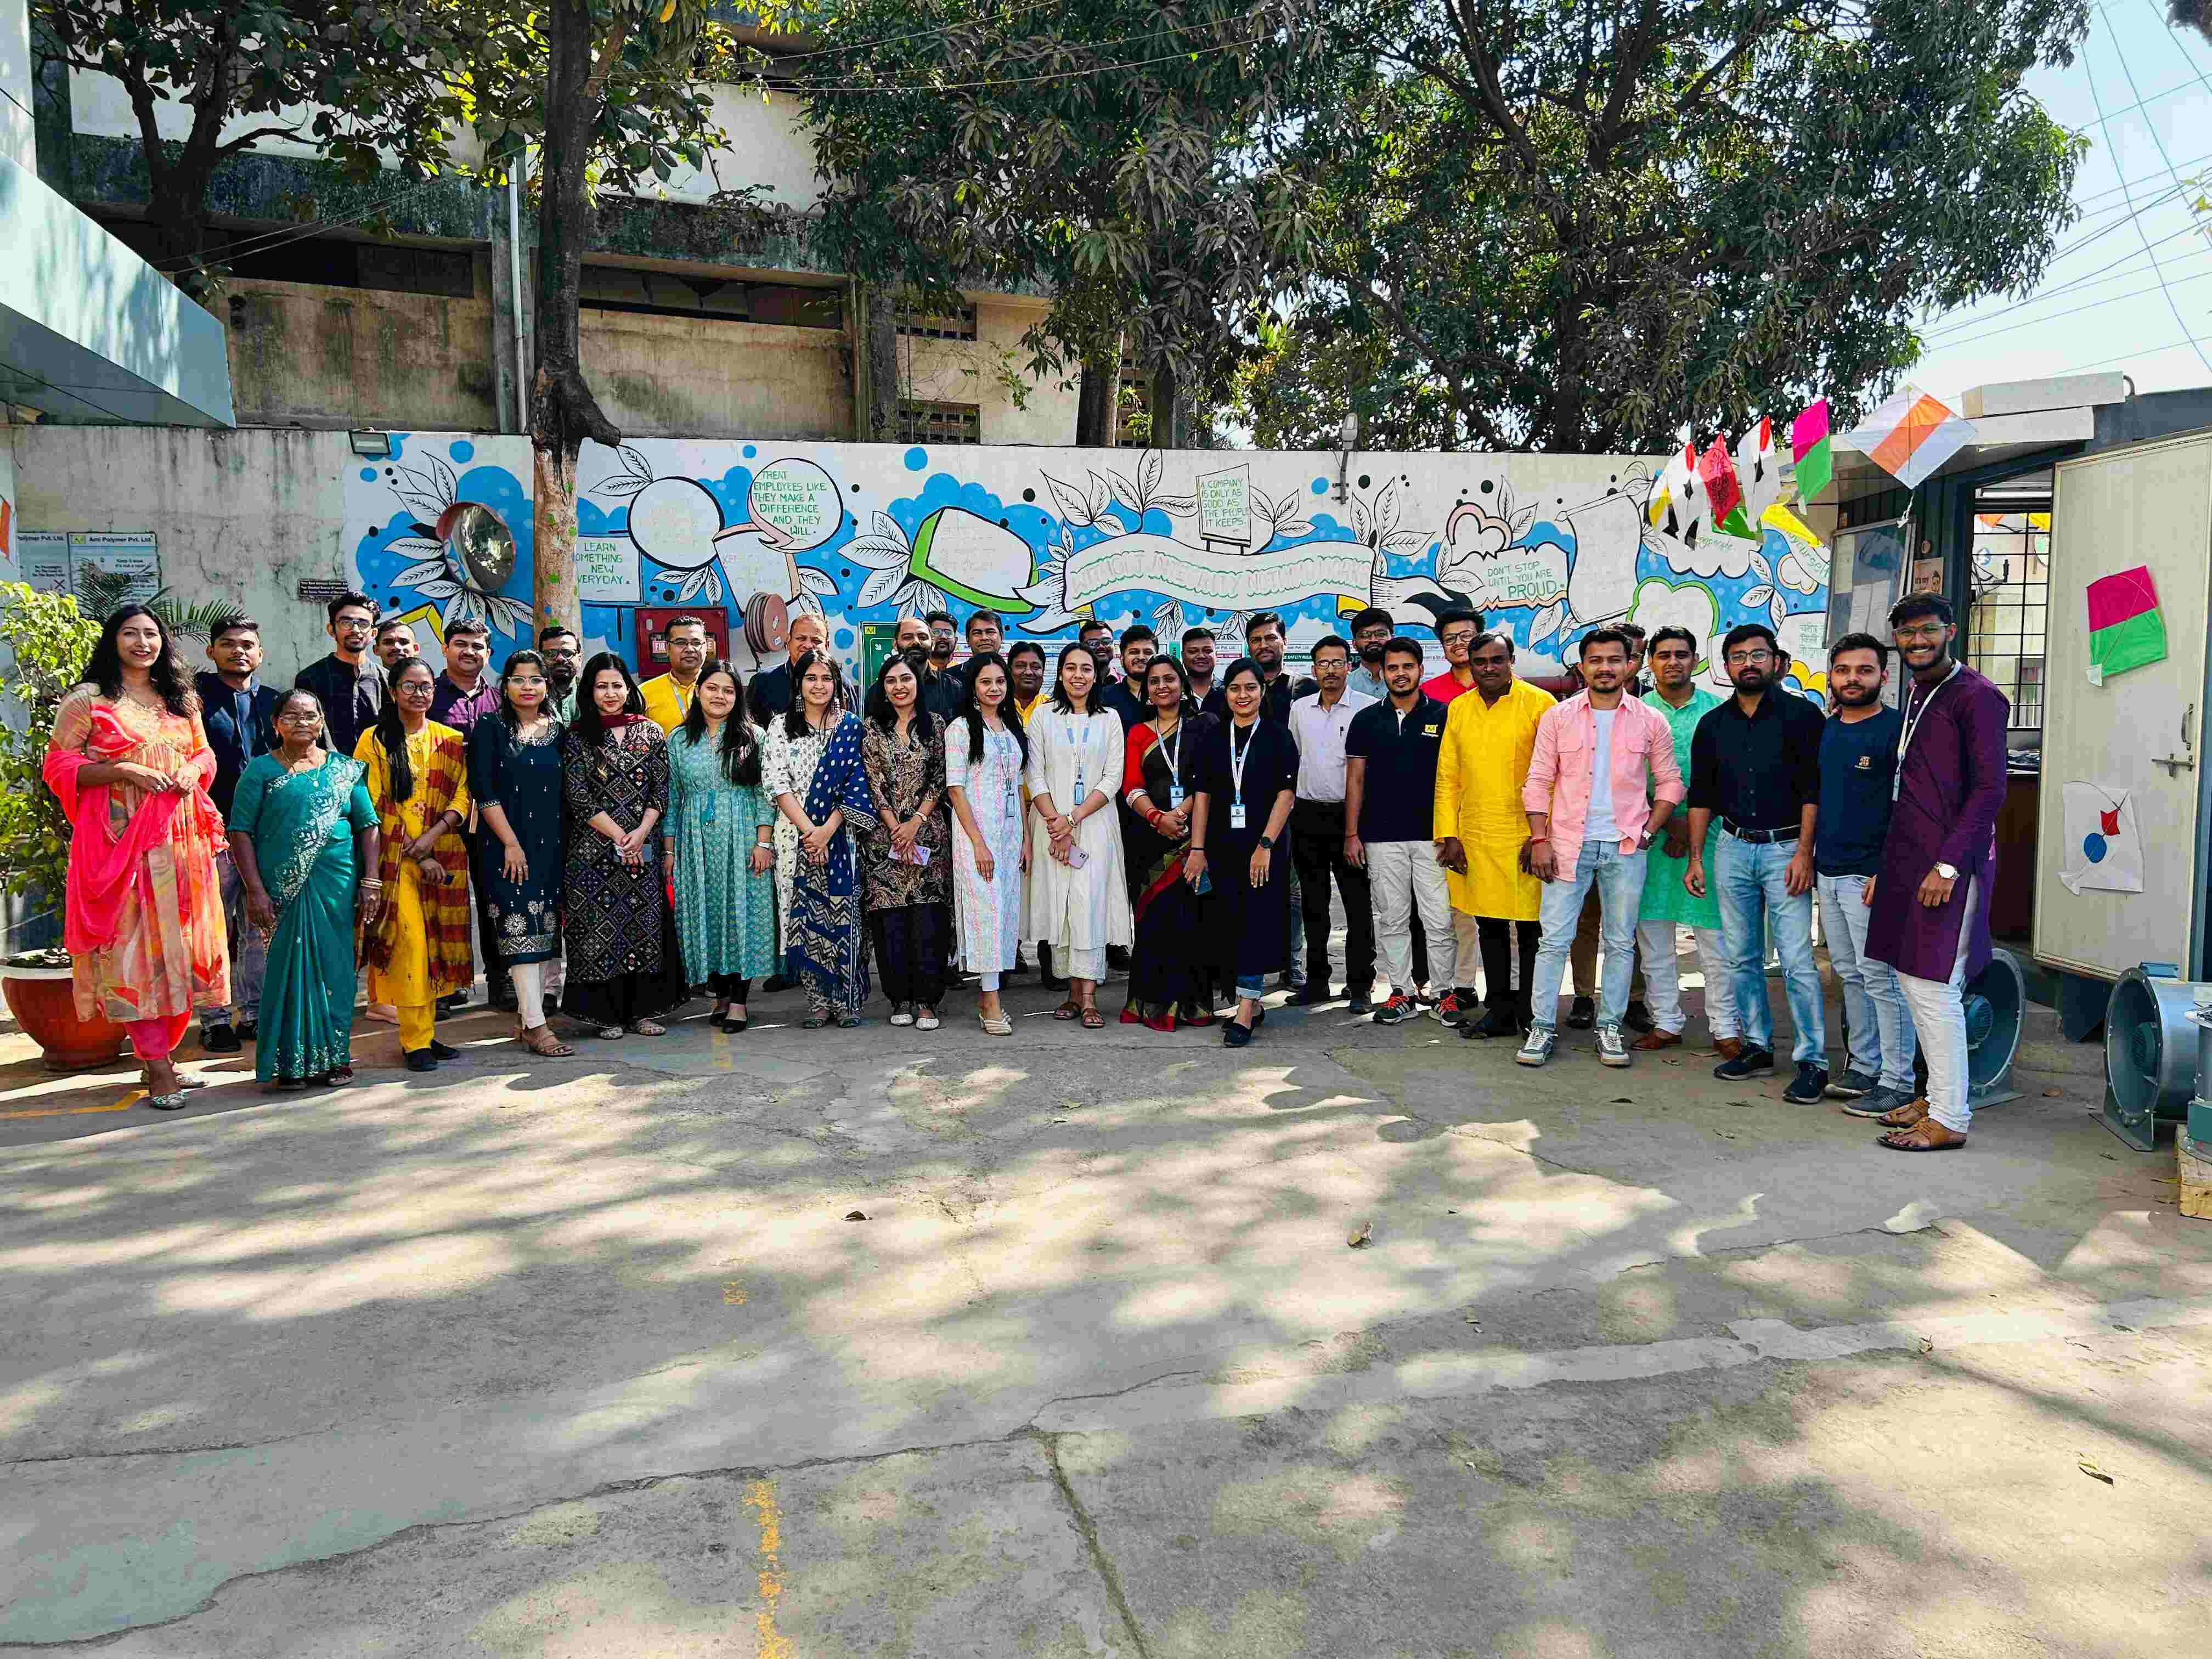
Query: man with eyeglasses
[(1755, 776), (1930, 916), (1455, 632)]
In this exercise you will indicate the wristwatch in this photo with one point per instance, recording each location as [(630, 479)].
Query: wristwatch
[(1267, 843), (1948, 872)]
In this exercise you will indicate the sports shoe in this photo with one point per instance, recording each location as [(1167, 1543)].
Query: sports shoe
[(1879, 1101), (1582, 1015), (218, 1040), (1810, 1083), (249, 1030), (1750, 1062), (1397, 1011), (1611, 1047), (1853, 1085), (1450, 1010), (1639, 1018), (1536, 1047)]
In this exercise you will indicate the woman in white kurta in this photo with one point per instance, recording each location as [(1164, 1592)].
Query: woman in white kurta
[(1078, 898), (985, 752)]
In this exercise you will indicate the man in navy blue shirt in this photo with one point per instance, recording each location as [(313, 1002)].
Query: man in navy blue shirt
[(1858, 763), (1390, 797), (240, 713)]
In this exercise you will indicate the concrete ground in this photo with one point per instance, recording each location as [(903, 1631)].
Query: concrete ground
[(594, 1357)]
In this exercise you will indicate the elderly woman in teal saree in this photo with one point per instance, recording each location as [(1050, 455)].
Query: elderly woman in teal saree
[(302, 833)]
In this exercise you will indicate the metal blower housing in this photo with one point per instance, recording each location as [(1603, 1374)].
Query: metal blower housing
[(2151, 1055)]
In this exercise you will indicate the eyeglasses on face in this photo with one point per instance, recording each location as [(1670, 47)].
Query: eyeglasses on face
[(1761, 654), (1923, 631)]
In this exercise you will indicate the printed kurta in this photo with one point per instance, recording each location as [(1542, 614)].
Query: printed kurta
[(1480, 770), (1085, 910), (990, 921), (900, 772), (419, 948), (822, 936), (143, 923), (521, 776), (1950, 783), (788, 766), (618, 913), (1665, 898), (725, 914)]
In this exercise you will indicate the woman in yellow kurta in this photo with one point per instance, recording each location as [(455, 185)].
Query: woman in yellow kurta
[(1481, 829), (417, 950)]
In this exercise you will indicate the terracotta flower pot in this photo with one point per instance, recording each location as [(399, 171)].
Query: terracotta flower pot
[(45, 1007)]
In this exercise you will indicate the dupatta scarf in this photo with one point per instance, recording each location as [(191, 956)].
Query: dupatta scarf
[(824, 946), (445, 908)]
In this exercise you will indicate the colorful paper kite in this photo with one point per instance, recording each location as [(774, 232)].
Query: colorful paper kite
[(1809, 446), (1910, 435), (2126, 628), (1724, 494)]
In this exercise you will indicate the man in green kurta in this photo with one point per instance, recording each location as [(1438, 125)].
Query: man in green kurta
[(1675, 694)]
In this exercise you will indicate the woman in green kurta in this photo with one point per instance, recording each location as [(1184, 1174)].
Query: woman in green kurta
[(720, 849), (302, 834)]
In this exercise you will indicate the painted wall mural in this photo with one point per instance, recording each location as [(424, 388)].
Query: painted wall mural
[(1548, 546)]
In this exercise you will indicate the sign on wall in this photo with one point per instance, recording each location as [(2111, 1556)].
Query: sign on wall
[(134, 556), (43, 556), (1546, 546)]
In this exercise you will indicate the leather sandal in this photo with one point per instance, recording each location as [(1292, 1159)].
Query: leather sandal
[(1905, 1116), (649, 1028), (540, 1039), (1925, 1136), (1093, 1020), (1651, 1040), (1067, 1009)]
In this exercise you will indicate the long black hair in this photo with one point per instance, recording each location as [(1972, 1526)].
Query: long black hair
[(392, 735), (879, 701), (171, 681), (971, 711), (525, 658), (1061, 699), (591, 731), (794, 718), (741, 748)]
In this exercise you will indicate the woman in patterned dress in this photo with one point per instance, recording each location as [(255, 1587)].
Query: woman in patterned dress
[(1180, 952), (516, 776), (721, 854), (815, 777), (129, 762), (985, 752), (416, 948), (1078, 902), (624, 962), (903, 864)]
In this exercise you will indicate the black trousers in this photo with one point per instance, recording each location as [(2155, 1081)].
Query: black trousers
[(735, 987), (499, 985), (909, 944), (1317, 850), (1495, 934)]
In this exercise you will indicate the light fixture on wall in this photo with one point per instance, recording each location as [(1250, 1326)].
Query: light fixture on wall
[(1348, 435), (371, 445)]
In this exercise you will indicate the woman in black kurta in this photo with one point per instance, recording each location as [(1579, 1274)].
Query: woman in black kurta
[(1247, 785), (624, 962), (515, 778)]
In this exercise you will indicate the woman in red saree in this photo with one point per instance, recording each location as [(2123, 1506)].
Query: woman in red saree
[(1177, 956), (129, 762)]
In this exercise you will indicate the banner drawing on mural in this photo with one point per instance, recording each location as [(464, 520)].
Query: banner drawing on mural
[(1545, 547)]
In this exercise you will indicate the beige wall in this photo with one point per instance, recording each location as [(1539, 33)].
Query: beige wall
[(970, 372), (357, 357), (665, 377)]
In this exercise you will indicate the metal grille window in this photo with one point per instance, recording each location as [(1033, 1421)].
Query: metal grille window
[(2012, 589), (940, 423), (960, 327)]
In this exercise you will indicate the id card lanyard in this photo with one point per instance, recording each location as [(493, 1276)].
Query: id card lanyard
[(1174, 770), (1077, 736), (1912, 719), (1237, 760)]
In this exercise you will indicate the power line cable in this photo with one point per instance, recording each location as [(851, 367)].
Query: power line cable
[(2033, 322), (2103, 273), (2097, 98)]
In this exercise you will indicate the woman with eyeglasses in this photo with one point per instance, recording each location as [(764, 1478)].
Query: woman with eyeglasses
[(303, 838), (625, 963), (820, 787), (416, 946), (515, 776)]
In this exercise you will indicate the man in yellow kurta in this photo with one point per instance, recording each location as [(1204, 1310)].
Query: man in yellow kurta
[(1482, 831), (668, 696)]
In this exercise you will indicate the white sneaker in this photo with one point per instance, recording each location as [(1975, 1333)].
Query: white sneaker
[(1611, 1047), (901, 1017), (1536, 1047)]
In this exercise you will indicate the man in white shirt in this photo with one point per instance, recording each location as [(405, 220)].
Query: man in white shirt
[(1319, 725)]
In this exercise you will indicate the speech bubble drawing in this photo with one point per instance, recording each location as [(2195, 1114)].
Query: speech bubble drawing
[(676, 522), (794, 504)]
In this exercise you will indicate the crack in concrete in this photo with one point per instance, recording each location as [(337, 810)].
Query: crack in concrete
[(1087, 1529), (161, 1451)]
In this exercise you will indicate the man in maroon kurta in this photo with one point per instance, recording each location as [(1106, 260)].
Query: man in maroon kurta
[(1930, 918)]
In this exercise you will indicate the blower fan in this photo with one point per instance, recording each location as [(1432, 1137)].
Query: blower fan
[(2151, 1053), (1993, 1005)]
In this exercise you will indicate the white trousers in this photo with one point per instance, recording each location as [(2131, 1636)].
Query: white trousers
[(529, 993), (1400, 875), (1939, 1014), (1663, 980)]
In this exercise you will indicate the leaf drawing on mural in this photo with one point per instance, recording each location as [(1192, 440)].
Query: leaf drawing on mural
[(1140, 492), (440, 573), (1280, 518)]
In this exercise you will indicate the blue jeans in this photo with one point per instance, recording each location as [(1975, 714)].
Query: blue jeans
[(1882, 1037), (1618, 878), (1749, 882)]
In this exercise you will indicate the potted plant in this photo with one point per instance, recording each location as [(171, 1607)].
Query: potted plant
[(48, 639)]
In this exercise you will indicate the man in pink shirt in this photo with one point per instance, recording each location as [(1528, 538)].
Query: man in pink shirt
[(1602, 782)]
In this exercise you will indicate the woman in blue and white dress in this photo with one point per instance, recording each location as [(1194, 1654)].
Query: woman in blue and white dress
[(1078, 901), (986, 752)]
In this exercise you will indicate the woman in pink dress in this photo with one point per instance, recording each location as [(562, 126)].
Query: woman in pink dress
[(143, 921)]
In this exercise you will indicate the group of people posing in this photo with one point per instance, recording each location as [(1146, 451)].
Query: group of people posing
[(609, 848)]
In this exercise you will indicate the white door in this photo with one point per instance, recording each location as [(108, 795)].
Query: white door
[(2150, 505)]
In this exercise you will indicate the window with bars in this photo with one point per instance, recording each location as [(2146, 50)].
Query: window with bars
[(1133, 426), (2012, 590), (959, 327), (940, 423)]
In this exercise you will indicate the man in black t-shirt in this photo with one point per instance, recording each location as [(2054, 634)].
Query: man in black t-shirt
[(1390, 809)]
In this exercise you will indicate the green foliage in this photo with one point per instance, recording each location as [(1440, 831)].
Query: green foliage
[(1553, 225), (48, 641), (100, 592)]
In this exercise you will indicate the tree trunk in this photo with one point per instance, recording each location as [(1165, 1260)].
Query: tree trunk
[(1169, 415), (1098, 404), (563, 410)]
